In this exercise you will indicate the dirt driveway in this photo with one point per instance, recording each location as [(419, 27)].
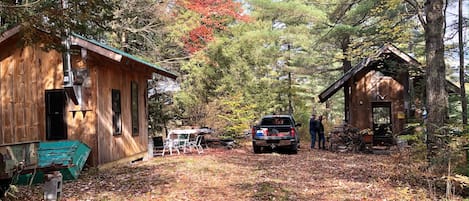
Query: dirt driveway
[(238, 174)]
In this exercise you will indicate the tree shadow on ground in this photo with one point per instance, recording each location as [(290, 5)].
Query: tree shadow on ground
[(306, 175), (121, 182)]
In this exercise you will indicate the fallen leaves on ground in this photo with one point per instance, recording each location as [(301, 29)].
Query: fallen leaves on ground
[(238, 174)]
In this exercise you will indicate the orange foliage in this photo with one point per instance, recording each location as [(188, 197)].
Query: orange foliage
[(215, 16), (198, 38)]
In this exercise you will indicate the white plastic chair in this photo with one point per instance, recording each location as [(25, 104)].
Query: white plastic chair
[(170, 144), (196, 144), (182, 141)]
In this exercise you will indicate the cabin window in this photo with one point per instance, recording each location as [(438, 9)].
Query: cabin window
[(116, 112), (134, 107)]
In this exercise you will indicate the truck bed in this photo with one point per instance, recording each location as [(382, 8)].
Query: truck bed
[(273, 131)]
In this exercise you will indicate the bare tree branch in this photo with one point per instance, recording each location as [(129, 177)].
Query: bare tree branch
[(175, 60), (419, 11), (27, 4)]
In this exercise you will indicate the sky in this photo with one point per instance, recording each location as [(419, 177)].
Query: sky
[(452, 59), (452, 18)]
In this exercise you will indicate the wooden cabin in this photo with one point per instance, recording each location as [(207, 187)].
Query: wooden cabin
[(95, 94), (386, 90)]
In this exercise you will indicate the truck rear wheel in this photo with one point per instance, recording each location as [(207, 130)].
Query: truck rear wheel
[(294, 149), (256, 149)]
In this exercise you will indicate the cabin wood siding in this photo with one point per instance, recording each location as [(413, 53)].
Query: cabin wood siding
[(113, 147), (25, 74), (368, 89), (82, 120)]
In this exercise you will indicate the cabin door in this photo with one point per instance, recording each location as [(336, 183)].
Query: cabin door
[(56, 126), (382, 124)]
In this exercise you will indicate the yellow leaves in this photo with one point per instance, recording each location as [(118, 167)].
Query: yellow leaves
[(392, 4), (461, 179), (339, 56), (386, 6)]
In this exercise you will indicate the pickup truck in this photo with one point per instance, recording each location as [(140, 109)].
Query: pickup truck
[(276, 131)]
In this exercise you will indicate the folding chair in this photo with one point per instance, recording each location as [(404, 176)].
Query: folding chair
[(170, 144), (196, 144), (182, 141)]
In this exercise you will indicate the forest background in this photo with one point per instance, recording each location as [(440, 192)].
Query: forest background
[(238, 60)]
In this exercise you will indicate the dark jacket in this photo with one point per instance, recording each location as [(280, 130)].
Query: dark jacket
[(320, 127), (313, 125)]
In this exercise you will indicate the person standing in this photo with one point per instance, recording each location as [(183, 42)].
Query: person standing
[(320, 131), (313, 125)]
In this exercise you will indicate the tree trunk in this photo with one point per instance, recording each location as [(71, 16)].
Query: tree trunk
[(290, 104), (346, 65), (123, 41), (462, 76), (437, 100)]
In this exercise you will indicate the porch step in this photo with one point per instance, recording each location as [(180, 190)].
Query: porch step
[(384, 150)]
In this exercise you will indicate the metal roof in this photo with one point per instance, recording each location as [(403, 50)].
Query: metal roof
[(388, 48), (117, 54), (102, 49), (385, 49)]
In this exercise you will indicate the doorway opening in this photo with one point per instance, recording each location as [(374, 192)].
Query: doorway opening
[(382, 123), (56, 125)]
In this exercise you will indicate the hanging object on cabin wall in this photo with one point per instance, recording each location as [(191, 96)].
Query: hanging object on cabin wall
[(75, 79), (79, 76), (80, 84), (379, 96), (400, 115)]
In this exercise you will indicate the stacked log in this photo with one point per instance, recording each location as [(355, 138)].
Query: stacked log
[(344, 138)]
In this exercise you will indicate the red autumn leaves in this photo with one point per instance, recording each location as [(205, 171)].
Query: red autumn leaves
[(215, 16)]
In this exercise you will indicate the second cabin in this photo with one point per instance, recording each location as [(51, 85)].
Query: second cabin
[(384, 92)]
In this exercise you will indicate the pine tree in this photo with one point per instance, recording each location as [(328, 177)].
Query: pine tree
[(88, 18)]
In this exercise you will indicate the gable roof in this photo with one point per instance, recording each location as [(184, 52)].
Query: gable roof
[(386, 49), (101, 49)]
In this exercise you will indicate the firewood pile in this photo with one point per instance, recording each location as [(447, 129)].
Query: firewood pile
[(346, 138)]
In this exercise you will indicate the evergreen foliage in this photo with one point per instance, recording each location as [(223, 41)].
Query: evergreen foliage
[(239, 60), (87, 18)]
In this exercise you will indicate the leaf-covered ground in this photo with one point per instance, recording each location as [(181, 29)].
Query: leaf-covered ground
[(238, 174)]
